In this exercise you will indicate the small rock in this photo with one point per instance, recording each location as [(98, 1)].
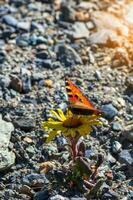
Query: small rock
[(22, 40), (67, 56), (4, 81), (98, 75), (104, 37), (7, 158), (79, 30), (116, 147), (39, 27), (47, 63), (82, 16), (35, 180), (10, 20), (58, 197), (26, 80), (42, 55), (128, 132), (63, 106), (46, 166), (37, 40), (109, 111), (111, 195), (26, 124), (42, 195), (24, 26), (125, 157), (111, 159), (24, 189), (28, 140), (129, 82), (2, 56), (48, 83), (116, 126), (16, 83), (67, 13), (37, 76), (30, 150)]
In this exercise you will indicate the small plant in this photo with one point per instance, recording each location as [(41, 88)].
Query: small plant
[(73, 127), (77, 122)]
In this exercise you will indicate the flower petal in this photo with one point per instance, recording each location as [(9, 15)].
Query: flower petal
[(52, 134), (56, 115), (61, 114), (52, 125)]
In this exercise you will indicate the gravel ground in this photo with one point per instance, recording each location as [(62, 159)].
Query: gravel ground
[(41, 42)]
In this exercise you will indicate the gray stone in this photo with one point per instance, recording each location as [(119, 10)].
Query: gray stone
[(6, 158), (128, 132), (22, 40), (109, 111), (26, 80), (34, 179), (116, 147), (125, 157), (10, 20), (80, 30), (58, 197), (24, 26), (129, 82), (116, 126), (4, 81), (25, 124), (67, 55)]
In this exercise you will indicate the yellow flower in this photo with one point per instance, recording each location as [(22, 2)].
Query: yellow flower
[(69, 124)]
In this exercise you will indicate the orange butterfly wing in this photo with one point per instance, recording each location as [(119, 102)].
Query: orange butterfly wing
[(79, 104)]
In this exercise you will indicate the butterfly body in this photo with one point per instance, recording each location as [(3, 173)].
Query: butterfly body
[(78, 102)]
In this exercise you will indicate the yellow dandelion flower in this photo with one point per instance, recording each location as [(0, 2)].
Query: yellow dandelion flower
[(69, 124)]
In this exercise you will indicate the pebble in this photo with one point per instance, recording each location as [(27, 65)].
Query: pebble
[(129, 82), (7, 157), (109, 111), (22, 40), (35, 180), (16, 83), (98, 75), (36, 40), (67, 56), (58, 197), (67, 13), (79, 31), (2, 56), (125, 157), (128, 131), (10, 20), (111, 159), (116, 126), (26, 124), (23, 26), (26, 80), (110, 195), (116, 147), (104, 37), (42, 195), (4, 81)]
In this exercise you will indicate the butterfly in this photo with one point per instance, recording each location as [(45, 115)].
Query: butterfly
[(78, 102)]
